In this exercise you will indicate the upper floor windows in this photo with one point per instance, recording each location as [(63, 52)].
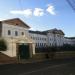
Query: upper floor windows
[(45, 39), (38, 38), (16, 23), (16, 33), (9, 32), (22, 33)]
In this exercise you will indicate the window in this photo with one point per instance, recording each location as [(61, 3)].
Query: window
[(31, 37), (36, 44), (45, 44), (58, 35), (45, 39), (16, 23), (16, 33), (22, 33), (38, 38), (50, 44), (42, 44), (9, 32), (50, 39)]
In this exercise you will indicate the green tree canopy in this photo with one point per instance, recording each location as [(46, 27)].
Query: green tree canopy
[(3, 45)]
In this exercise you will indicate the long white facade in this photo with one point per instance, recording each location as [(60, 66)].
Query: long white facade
[(52, 37), (69, 40), (39, 39)]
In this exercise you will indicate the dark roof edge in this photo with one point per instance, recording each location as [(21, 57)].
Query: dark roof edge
[(70, 37), (37, 32)]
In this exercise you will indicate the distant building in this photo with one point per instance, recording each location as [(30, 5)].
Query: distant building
[(69, 40), (51, 37)]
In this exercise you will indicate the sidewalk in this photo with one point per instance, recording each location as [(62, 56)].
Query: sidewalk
[(25, 61)]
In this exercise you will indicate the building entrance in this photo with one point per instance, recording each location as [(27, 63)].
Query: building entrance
[(24, 51)]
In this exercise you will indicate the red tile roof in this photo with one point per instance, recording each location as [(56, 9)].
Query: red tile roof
[(16, 22)]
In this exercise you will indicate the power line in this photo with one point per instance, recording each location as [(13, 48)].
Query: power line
[(71, 3), (20, 4)]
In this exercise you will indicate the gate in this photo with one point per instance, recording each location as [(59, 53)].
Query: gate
[(24, 51)]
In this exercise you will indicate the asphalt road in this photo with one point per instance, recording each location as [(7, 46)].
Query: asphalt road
[(54, 67)]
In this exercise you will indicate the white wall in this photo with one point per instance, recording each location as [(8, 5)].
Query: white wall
[(11, 48), (73, 41), (51, 39), (39, 39), (55, 39), (59, 39), (69, 41), (6, 27)]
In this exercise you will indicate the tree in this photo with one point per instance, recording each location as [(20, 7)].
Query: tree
[(51, 51), (3, 45)]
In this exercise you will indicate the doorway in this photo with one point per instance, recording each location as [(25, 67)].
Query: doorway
[(24, 51)]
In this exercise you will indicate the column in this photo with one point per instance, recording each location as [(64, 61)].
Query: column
[(33, 48)]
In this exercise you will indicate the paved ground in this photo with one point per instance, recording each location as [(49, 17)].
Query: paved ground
[(54, 67)]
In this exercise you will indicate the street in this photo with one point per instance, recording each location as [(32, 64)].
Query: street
[(48, 67)]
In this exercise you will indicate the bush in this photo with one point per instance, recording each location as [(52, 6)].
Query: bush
[(67, 47), (45, 49), (41, 49), (3, 45)]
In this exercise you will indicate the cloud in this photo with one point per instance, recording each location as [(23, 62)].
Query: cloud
[(2, 19), (27, 12), (38, 12), (51, 9), (35, 12)]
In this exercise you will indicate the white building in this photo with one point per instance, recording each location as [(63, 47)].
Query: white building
[(51, 37), (15, 33), (73, 40), (39, 38), (69, 40), (21, 41)]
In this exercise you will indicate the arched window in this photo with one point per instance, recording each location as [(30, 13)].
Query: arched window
[(16, 33)]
